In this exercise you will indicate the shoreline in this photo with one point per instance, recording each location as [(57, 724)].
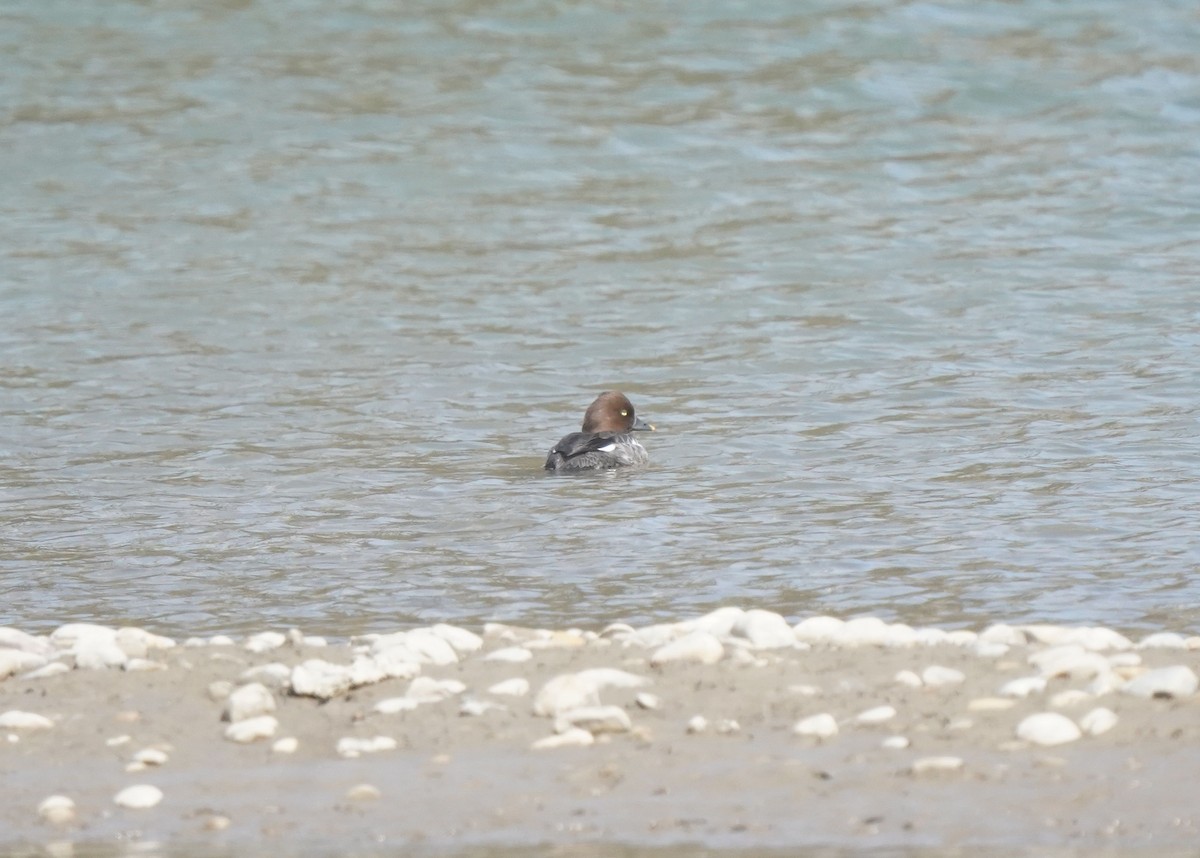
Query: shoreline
[(732, 731)]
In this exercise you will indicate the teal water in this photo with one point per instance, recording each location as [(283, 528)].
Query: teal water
[(295, 296)]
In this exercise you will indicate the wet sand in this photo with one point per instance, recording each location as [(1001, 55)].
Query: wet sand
[(743, 781)]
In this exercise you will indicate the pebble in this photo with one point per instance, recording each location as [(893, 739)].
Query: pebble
[(518, 686), (909, 678), (275, 675), (864, 631), (151, 757), (1071, 661), (365, 670), (252, 729), (646, 700), (392, 705), (1099, 720), (1163, 640), (573, 690), (1175, 681), (138, 797), (249, 701), (594, 719), (877, 715), (117, 741), (934, 765), (286, 745), (221, 640), (219, 690), (422, 645), (1068, 698), (987, 649), (697, 724), (728, 727), (473, 706), (698, 648), (1023, 687), (321, 679), (15, 639), (351, 746), (935, 676), (462, 640), (719, 622), (510, 654), (573, 738), (821, 726), (14, 661), (265, 642), (54, 668), (140, 664), (16, 719), (764, 629), (398, 663), (98, 653), (819, 630), (1048, 728), (895, 743), (363, 792), (56, 809), (1004, 634), (425, 689)]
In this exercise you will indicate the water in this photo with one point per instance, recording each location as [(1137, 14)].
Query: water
[(295, 296)]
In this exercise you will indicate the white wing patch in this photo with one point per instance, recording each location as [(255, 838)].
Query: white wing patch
[(607, 448)]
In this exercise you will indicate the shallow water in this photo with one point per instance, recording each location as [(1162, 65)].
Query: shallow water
[(294, 298)]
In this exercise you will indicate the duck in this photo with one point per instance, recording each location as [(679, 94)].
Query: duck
[(605, 440)]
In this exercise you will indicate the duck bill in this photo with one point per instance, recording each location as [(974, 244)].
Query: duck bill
[(641, 425)]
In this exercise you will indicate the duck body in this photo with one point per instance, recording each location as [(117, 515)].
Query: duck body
[(606, 438)]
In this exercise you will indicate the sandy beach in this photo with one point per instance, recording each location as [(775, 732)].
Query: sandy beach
[(734, 731)]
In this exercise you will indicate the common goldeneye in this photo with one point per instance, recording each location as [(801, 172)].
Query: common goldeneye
[(605, 441)]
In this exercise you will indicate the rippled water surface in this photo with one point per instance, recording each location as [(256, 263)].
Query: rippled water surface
[(295, 296)]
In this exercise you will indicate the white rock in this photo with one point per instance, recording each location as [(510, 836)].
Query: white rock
[(398, 662), (139, 797), (140, 664), (864, 631), (1068, 698), (66, 637), (962, 637), (117, 741), (1163, 640), (473, 706), (11, 638), (286, 745), (1097, 638), (895, 743), (363, 792), (935, 676), (901, 635), (56, 809), (18, 661), (98, 653), (877, 715), (15, 719), (54, 668), (573, 738), (219, 689), (719, 623), (764, 629), (425, 689), (697, 647), (821, 726), (1048, 728), (697, 724), (909, 679), (518, 686), (510, 654), (819, 630), (274, 675), (1175, 681), (1000, 633), (265, 641), (1124, 659), (728, 727), (594, 719), (392, 705), (351, 746), (930, 636), (151, 757), (249, 701), (1023, 687), (646, 700), (573, 690), (133, 642), (461, 640), (364, 670), (1046, 634), (931, 765), (252, 729), (425, 647), (1106, 684), (221, 640), (320, 679), (988, 649), (1071, 661), (805, 690), (1099, 720)]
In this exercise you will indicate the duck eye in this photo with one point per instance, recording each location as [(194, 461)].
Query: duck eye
[(624, 413)]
